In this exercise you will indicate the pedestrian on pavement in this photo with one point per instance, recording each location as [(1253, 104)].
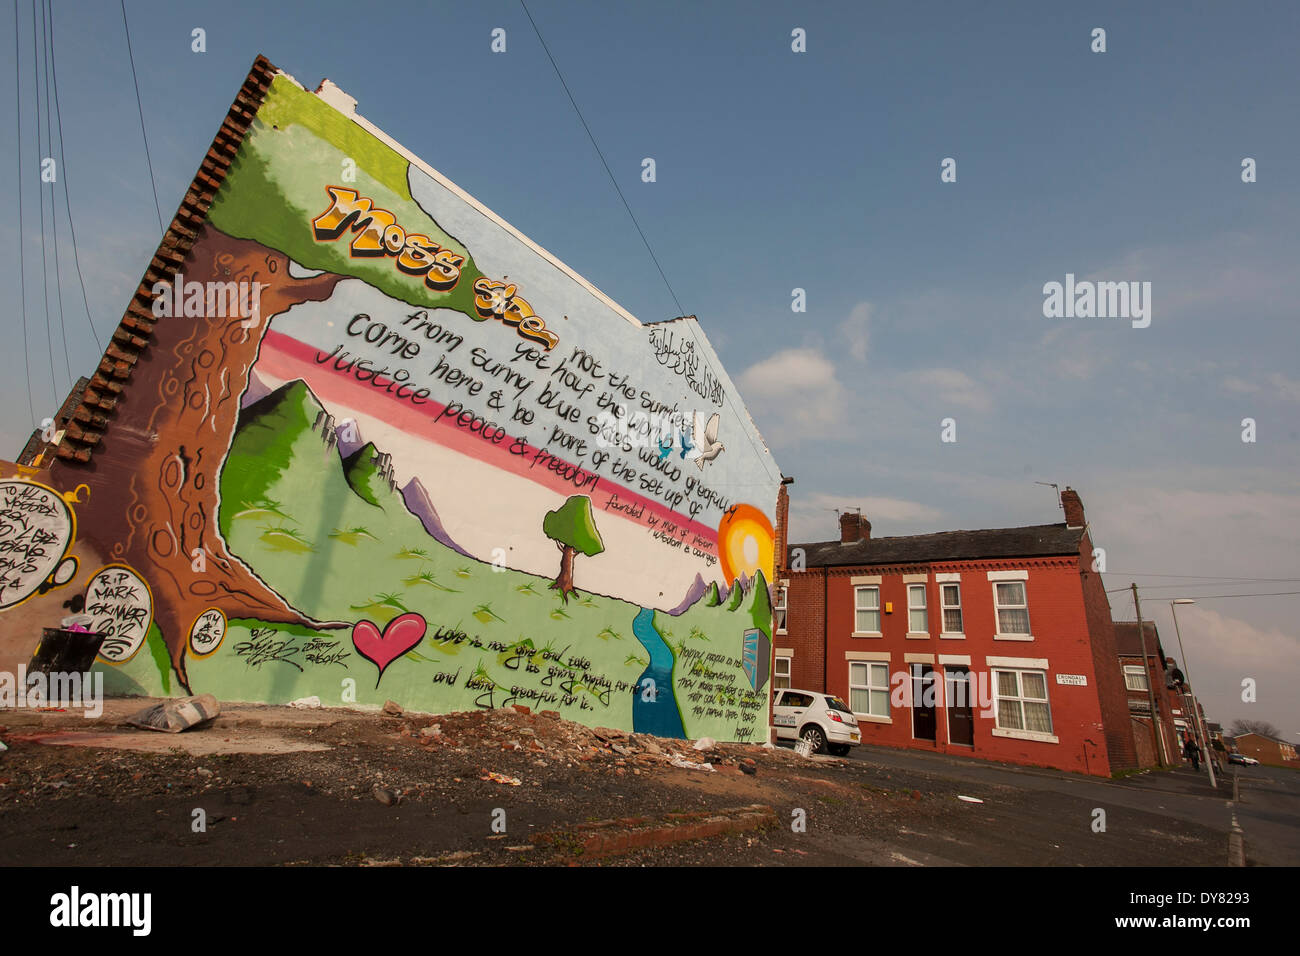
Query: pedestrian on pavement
[(1192, 753)]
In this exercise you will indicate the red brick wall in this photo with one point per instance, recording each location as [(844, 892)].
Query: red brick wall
[(1264, 750), (1111, 693), (805, 628)]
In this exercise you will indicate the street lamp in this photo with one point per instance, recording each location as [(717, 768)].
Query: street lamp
[(1197, 724)]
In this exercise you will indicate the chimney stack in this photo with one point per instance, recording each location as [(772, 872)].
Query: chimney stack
[(1073, 508), (854, 527), (783, 527)]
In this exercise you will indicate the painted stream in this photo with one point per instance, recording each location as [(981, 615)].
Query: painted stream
[(655, 713)]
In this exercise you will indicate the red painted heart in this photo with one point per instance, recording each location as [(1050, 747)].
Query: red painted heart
[(402, 633)]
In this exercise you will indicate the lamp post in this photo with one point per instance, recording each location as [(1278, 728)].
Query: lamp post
[(1197, 724)]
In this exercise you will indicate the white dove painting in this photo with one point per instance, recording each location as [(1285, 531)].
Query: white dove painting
[(705, 444)]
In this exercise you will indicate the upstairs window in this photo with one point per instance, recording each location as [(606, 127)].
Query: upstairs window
[(950, 596), (780, 609), (1012, 608), (1135, 678), (917, 620), (866, 610)]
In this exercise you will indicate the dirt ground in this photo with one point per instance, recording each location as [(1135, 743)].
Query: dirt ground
[(378, 788)]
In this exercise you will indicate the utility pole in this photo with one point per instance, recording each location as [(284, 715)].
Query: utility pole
[(1151, 696), (1198, 725)]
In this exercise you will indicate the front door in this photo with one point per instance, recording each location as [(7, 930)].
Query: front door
[(961, 718), (923, 694)]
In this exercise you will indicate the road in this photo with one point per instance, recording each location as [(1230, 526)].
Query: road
[(1268, 811)]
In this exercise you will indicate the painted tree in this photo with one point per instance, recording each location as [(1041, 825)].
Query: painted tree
[(572, 527)]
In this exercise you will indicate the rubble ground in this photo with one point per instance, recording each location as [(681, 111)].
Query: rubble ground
[(512, 787)]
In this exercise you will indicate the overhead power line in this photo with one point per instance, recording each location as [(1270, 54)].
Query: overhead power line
[(22, 256), (608, 172), (1211, 597), (45, 264), (680, 311), (140, 107), (67, 199), (47, 17), (1210, 577)]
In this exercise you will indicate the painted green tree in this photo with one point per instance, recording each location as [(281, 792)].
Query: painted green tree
[(572, 527)]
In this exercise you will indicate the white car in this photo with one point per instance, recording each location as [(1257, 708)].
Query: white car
[(823, 720)]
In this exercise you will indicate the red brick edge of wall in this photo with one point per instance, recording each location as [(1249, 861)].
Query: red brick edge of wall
[(90, 419)]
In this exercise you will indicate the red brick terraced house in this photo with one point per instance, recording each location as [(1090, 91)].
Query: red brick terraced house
[(995, 644), (1268, 750), (1158, 674)]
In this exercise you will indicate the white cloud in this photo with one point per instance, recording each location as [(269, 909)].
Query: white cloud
[(794, 394), (812, 516), (954, 387), (1275, 385), (1224, 651), (856, 330)]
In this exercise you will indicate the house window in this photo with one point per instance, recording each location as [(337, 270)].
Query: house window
[(1012, 608), (917, 622), (1022, 701), (781, 676), (869, 688), (1135, 678), (867, 610), (950, 596), (779, 610)]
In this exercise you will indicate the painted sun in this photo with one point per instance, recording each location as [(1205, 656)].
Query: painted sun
[(745, 543)]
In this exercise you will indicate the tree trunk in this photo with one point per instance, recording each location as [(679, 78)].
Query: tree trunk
[(564, 583), (154, 481)]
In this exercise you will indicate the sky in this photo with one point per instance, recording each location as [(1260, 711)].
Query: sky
[(820, 171)]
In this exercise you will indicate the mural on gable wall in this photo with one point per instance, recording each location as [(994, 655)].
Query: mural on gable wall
[(420, 461)]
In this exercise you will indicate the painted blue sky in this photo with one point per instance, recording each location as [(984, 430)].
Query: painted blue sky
[(821, 170)]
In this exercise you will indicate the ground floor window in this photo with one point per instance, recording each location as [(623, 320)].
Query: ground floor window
[(1022, 701), (869, 688), (781, 676)]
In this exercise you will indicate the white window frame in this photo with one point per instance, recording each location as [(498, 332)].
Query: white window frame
[(945, 607), (857, 608), (781, 611), (999, 634), (869, 687), (924, 606), (788, 658), (1018, 732), (1136, 670)]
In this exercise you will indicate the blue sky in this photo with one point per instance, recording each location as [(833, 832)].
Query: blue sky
[(820, 170)]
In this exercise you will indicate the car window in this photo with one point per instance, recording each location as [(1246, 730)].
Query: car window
[(797, 700), (834, 703)]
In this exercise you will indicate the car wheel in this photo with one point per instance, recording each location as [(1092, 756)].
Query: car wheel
[(840, 750), (814, 735)]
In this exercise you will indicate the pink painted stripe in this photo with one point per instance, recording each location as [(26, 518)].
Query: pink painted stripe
[(287, 358)]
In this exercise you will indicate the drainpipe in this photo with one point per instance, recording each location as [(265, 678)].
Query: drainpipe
[(826, 626)]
